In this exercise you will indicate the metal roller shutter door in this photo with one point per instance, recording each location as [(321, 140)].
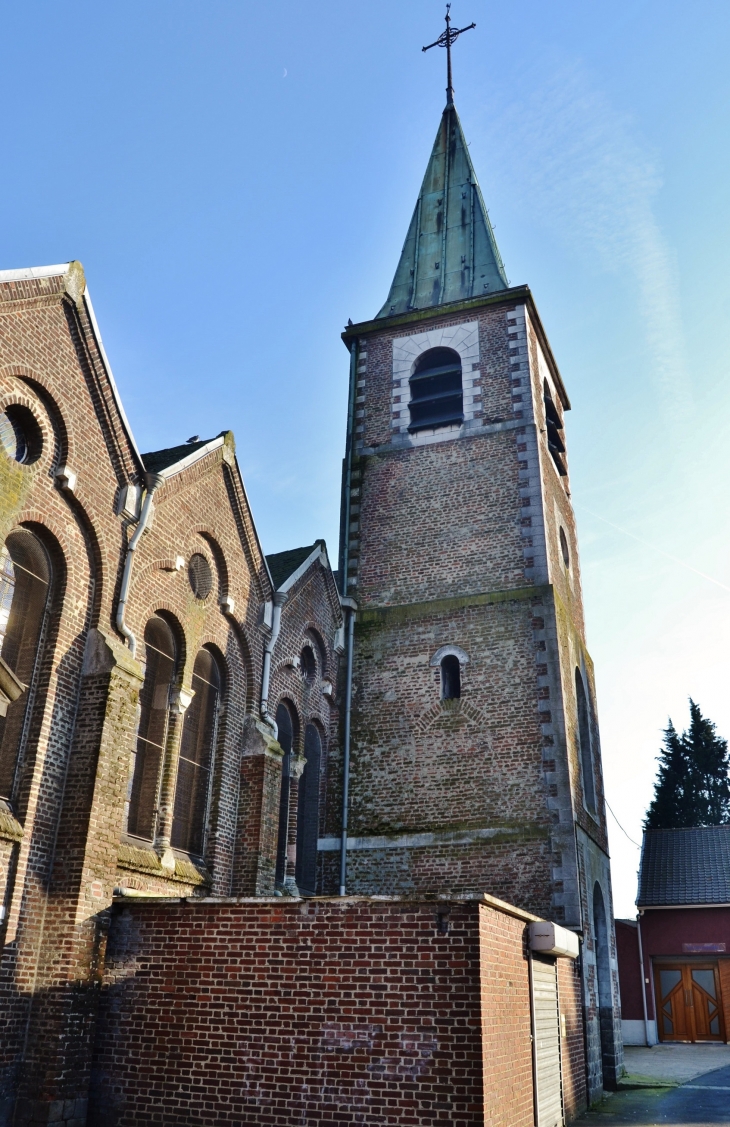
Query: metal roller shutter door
[(546, 1042)]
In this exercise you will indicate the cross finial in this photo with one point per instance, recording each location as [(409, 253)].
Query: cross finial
[(445, 39)]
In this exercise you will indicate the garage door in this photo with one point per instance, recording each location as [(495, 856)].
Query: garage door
[(546, 1042)]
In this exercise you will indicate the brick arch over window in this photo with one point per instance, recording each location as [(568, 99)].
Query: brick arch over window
[(313, 635), (45, 392)]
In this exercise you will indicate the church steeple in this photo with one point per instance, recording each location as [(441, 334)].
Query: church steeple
[(450, 252)]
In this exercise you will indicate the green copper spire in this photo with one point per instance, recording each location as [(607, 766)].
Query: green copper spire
[(450, 252)]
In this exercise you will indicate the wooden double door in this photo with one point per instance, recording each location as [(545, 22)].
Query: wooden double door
[(689, 1002)]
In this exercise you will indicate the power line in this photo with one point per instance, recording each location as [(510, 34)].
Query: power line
[(623, 831)]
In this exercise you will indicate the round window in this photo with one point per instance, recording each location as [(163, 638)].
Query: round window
[(20, 435), (200, 576), (564, 548)]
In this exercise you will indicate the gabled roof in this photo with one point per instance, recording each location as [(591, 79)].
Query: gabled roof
[(282, 565), (685, 866), (450, 252), (176, 458)]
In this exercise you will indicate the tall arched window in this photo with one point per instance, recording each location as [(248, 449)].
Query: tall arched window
[(450, 677), (161, 658), (285, 728), (436, 393), (584, 740), (308, 813), (25, 585), (197, 748)]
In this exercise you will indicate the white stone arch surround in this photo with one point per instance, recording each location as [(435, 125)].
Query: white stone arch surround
[(449, 651), (463, 339)]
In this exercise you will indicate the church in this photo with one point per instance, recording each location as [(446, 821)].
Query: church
[(293, 838)]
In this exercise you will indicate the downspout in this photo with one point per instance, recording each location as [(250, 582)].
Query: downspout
[(350, 606), (153, 482), (643, 980), (279, 601)]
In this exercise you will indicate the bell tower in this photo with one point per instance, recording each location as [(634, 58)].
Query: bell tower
[(475, 761)]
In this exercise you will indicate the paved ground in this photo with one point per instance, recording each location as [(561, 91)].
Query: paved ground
[(701, 1102), (674, 1063)]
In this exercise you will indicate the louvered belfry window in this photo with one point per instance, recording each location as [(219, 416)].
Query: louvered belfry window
[(161, 657), (25, 582), (554, 427), (195, 764), (436, 391)]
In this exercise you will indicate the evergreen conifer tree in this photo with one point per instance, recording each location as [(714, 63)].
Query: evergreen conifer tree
[(693, 784)]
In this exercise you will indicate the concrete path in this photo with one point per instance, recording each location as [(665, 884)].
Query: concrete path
[(701, 1102), (673, 1064)]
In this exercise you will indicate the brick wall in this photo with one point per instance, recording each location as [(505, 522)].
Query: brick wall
[(325, 1011), (64, 846)]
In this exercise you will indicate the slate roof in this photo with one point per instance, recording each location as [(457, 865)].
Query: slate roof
[(158, 460), (688, 866), (450, 252), (284, 564)]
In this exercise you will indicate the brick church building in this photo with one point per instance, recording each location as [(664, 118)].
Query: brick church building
[(245, 799)]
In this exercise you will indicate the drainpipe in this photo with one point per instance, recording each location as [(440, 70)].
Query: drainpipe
[(350, 606), (643, 981), (153, 481), (279, 601)]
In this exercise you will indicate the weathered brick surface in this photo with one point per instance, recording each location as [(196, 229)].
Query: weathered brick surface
[(339, 1011), (63, 842)]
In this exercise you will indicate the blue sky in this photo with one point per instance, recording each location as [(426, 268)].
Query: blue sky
[(237, 179)]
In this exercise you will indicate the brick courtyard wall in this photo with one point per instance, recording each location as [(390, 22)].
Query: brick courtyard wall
[(367, 1011)]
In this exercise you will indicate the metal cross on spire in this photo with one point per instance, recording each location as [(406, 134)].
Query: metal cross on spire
[(445, 40)]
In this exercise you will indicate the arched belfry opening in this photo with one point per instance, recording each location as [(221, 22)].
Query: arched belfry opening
[(437, 398)]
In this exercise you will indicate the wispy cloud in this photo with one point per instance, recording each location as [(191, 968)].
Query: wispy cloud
[(581, 169)]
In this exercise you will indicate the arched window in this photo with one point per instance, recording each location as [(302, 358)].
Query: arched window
[(25, 584), (197, 747), (436, 393), (308, 665), (308, 813), (450, 677), (584, 740), (285, 728), (554, 425), (161, 658)]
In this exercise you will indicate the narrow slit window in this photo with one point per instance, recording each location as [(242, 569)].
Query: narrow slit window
[(437, 398), (25, 583), (554, 426), (450, 677), (197, 748), (161, 658)]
